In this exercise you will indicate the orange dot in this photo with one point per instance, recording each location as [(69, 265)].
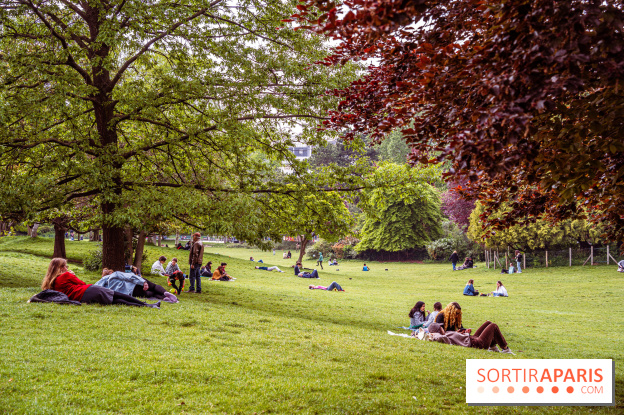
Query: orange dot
[(570, 389), (480, 389), (555, 389), (540, 389), (510, 389), (525, 389), (495, 389)]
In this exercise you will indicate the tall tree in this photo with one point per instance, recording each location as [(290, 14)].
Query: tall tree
[(114, 98), (522, 98), (400, 217)]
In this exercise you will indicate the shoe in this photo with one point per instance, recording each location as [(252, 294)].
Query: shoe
[(494, 349), (190, 291), (506, 350), (157, 305)]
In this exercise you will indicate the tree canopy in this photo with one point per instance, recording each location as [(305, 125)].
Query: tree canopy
[(523, 99), (159, 109)]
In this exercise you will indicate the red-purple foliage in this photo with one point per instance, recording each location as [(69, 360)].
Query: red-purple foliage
[(524, 99), (456, 207)]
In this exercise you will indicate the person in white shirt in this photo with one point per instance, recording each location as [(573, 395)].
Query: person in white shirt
[(157, 267), (501, 291)]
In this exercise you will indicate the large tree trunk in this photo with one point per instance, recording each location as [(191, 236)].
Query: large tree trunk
[(159, 240), (94, 236), (138, 254), (177, 238), (59, 239), (112, 242), (33, 230), (128, 248), (304, 243)]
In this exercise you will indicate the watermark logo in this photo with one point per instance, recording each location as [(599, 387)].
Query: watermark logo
[(561, 382)]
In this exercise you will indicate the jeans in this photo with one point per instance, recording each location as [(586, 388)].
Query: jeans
[(454, 263), (334, 285), (195, 278), (497, 295), (308, 275), (519, 270)]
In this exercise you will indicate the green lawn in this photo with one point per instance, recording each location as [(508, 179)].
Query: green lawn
[(267, 344)]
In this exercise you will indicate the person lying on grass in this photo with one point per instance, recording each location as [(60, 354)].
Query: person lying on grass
[(488, 336), (220, 274), (469, 288), (451, 318), (131, 284), (60, 278), (334, 286), (270, 269), (300, 274)]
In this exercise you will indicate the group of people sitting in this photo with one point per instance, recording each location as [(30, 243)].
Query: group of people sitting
[(500, 291), (445, 326)]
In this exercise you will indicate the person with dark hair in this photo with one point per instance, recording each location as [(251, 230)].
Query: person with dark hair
[(469, 288), (468, 263), (437, 307), (501, 291), (288, 255), (60, 278), (454, 259), (417, 316), (196, 257), (157, 267), (451, 318), (186, 247), (518, 257), (220, 274), (334, 286), (207, 270), (488, 336), (130, 283)]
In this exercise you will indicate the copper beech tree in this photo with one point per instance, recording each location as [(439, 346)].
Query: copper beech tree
[(522, 98)]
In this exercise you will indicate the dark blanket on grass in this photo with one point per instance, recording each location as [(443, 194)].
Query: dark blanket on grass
[(51, 296)]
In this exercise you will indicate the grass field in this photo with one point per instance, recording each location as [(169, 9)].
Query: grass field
[(265, 343)]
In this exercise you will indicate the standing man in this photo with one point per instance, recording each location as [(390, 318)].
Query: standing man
[(454, 259), (196, 257), (518, 261), (320, 261)]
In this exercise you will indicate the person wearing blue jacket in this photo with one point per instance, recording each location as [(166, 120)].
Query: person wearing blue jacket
[(130, 284), (469, 288)]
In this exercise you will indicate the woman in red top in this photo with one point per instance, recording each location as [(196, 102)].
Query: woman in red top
[(60, 278)]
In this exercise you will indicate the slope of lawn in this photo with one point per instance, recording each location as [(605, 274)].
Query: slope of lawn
[(265, 343)]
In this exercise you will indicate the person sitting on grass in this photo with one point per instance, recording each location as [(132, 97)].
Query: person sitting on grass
[(130, 283), (418, 316), (621, 266), (300, 274), (206, 271), (437, 307), (288, 255), (274, 268), (60, 278), (469, 288), (501, 291), (334, 286), (451, 318), (488, 336), (157, 267), (467, 264), (333, 262), (365, 268), (220, 274), (175, 276)]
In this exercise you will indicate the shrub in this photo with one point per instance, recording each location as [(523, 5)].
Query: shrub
[(320, 245), (93, 260)]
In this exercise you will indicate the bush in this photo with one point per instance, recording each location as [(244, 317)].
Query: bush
[(320, 245), (93, 260)]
